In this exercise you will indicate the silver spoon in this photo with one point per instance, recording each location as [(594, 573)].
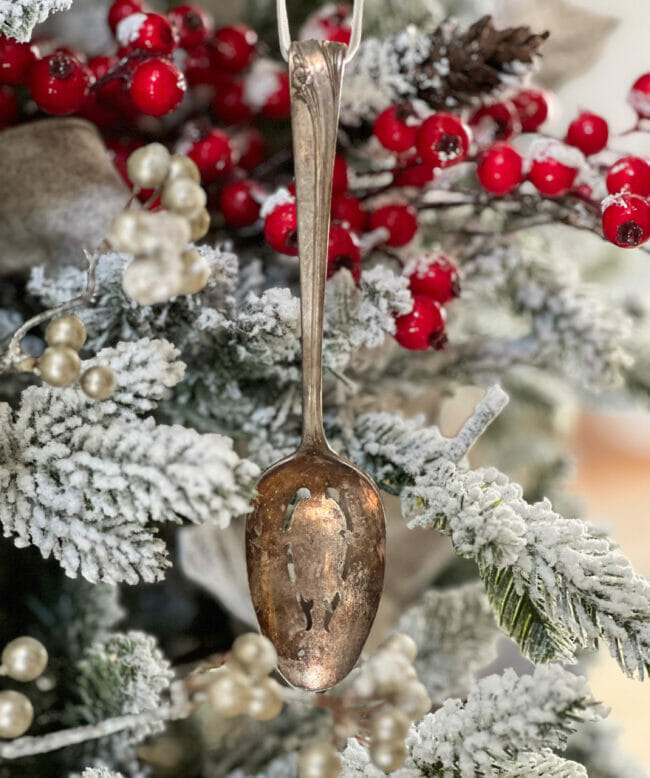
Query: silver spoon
[(315, 540)]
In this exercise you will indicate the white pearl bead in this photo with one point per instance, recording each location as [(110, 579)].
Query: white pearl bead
[(149, 281), (147, 167), (401, 644), (66, 331), (184, 196), (413, 700), (144, 233), (59, 366), (123, 232), (200, 224), (24, 658), (228, 692), (388, 756), (319, 760), (181, 166), (389, 725), (99, 382), (265, 700), (390, 671), (255, 654), (16, 714), (195, 272)]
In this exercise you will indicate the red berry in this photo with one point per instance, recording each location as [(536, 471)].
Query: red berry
[(251, 146), (553, 169), (120, 9), (443, 140), (157, 87), (192, 24), (500, 169), (532, 106), (213, 155), (278, 103), (340, 177), (343, 251), (228, 104), (99, 67), (639, 96), (240, 203), (146, 32), (331, 23), (588, 132), (119, 150), (400, 221), (281, 229), (9, 106), (629, 174), (423, 327), (15, 61), (418, 175), (396, 127), (439, 281), (496, 122), (199, 68), (58, 84), (234, 47), (348, 210), (626, 220)]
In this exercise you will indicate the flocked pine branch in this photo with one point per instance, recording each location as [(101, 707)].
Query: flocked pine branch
[(241, 344), (503, 720), (456, 632), (123, 674), (100, 772), (555, 583), (545, 765), (572, 330), (19, 17), (89, 482)]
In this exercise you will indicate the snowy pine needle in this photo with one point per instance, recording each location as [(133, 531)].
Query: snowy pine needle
[(504, 718), (19, 17), (456, 632), (87, 482), (555, 583), (124, 673)]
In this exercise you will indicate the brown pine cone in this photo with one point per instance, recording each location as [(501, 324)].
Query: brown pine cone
[(448, 69)]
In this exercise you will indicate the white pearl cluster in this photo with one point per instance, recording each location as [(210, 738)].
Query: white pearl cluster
[(164, 265), (23, 659), (59, 364), (388, 674), (242, 685)]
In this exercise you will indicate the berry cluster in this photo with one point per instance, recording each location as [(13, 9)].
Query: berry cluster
[(433, 282), (242, 685), (59, 364), (164, 266), (23, 659)]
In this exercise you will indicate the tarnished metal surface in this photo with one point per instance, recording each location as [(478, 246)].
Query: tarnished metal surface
[(315, 541), (316, 584)]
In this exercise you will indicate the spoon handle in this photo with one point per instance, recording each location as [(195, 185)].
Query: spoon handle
[(315, 75)]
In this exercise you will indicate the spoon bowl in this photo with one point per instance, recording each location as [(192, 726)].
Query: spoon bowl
[(315, 547)]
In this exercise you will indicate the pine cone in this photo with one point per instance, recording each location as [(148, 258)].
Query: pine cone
[(480, 61), (449, 68)]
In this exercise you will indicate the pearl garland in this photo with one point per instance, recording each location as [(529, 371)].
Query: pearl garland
[(24, 658), (16, 714)]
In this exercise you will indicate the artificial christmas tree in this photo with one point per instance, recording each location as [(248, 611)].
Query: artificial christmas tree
[(149, 383)]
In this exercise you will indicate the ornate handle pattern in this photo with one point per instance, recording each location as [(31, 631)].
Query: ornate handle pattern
[(316, 74)]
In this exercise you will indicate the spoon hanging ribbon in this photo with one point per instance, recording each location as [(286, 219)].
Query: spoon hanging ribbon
[(315, 540)]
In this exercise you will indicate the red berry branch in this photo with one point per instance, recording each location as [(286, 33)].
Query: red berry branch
[(213, 87)]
